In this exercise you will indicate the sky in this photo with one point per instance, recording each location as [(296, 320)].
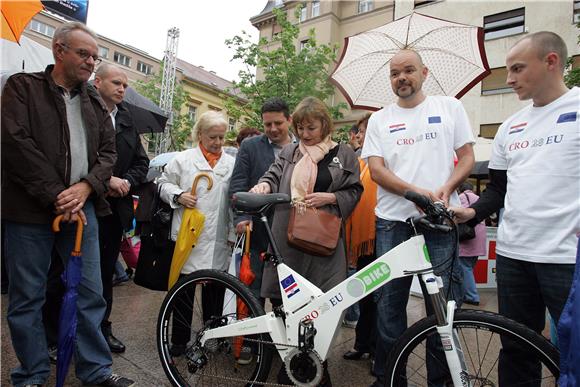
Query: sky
[(203, 25)]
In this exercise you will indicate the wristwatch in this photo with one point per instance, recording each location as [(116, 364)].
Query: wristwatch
[(175, 197)]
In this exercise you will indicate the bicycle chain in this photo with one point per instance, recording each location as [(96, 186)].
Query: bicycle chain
[(229, 378)]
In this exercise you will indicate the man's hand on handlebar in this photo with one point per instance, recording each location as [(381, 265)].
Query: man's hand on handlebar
[(426, 193), (261, 188), (462, 214)]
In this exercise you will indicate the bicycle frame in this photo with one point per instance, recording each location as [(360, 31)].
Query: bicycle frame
[(302, 300)]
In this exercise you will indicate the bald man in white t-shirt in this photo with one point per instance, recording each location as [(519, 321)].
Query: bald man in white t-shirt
[(535, 176), (410, 146)]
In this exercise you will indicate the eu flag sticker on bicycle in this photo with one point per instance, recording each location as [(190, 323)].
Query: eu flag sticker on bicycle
[(290, 286)]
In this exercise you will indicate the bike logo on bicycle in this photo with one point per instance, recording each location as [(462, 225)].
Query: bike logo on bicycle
[(369, 279), (426, 252)]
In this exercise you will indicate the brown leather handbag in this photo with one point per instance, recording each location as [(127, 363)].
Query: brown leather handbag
[(313, 231)]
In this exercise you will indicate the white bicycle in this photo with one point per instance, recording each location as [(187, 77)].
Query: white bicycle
[(303, 328)]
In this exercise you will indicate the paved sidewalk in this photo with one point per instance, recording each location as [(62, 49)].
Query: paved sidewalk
[(134, 320)]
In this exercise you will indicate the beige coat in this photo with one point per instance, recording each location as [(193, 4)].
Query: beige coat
[(324, 272)]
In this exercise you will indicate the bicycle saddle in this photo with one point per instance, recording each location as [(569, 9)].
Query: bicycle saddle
[(252, 203)]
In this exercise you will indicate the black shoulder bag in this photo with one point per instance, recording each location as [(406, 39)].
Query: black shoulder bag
[(156, 247), (464, 231)]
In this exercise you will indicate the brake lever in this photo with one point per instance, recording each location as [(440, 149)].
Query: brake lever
[(423, 221)]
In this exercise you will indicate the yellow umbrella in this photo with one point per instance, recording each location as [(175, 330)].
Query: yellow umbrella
[(16, 15), (189, 231)]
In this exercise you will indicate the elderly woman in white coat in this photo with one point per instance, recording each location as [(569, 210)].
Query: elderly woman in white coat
[(212, 250)]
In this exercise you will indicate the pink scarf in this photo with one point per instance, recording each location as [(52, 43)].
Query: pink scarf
[(306, 169)]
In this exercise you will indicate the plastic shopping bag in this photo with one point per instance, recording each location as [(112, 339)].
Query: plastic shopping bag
[(229, 308)]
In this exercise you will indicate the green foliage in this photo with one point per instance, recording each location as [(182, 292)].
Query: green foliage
[(182, 125), (288, 72), (342, 134), (231, 136), (572, 76)]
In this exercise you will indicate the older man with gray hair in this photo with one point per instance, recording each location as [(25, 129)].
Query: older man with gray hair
[(58, 151)]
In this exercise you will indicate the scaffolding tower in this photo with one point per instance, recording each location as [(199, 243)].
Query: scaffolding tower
[(167, 88)]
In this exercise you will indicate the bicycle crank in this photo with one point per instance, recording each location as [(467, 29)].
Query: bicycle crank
[(304, 368)]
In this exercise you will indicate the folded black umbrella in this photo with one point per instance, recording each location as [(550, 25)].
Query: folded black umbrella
[(147, 116)]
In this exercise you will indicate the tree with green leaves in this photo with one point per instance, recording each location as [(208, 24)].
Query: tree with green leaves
[(288, 72), (572, 76), (182, 125)]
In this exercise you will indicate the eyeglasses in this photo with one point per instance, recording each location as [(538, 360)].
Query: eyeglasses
[(83, 54)]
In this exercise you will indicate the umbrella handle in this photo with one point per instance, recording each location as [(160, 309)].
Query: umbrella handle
[(196, 180), (247, 243), (79, 234)]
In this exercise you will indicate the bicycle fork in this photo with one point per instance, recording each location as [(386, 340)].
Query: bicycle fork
[(444, 313)]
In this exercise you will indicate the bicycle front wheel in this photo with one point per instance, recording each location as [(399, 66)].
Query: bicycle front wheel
[(203, 300), (482, 335)]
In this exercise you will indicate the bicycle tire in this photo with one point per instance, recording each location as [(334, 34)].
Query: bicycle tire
[(406, 363), (222, 368)]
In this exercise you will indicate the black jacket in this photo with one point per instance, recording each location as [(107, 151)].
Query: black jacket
[(132, 163), (253, 160), (36, 159)]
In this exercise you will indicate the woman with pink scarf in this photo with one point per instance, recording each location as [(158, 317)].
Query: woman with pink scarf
[(319, 173)]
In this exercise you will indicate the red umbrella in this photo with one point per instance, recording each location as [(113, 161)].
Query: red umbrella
[(247, 276)]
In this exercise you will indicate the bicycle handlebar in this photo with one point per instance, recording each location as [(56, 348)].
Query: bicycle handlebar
[(435, 213)]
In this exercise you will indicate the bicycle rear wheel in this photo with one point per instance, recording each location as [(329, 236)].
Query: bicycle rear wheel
[(481, 335), (202, 300)]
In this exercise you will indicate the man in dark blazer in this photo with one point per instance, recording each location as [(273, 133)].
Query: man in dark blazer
[(255, 156), (129, 171)]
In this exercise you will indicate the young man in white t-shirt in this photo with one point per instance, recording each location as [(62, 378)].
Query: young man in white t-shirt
[(410, 146), (535, 176)]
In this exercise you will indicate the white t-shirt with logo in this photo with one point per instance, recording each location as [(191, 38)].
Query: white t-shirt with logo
[(418, 146), (540, 149)]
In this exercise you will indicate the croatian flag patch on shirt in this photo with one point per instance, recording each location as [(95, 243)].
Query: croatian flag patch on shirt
[(517, 128), (435, 120), (396, 128), (290, 286), (567, 117)]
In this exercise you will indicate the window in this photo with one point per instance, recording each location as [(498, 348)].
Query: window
[(315, 8), (504, 24), (232, 124), (192, 113), (576, 17), (103, 52), (144, 68), (278, 3), (365, 6), (303, 44), (495, 83), (276, 29), (420, 3), (42, 28), (303, 12), (122, 59), (488, 130), (151, 146)]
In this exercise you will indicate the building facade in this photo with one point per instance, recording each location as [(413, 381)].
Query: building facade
[(138, 64), (205, 90), (504, 22)]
